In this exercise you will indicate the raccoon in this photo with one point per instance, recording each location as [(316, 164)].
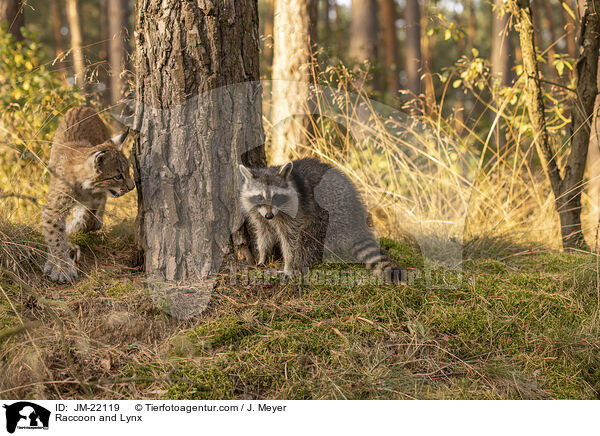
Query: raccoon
[(313, 212)]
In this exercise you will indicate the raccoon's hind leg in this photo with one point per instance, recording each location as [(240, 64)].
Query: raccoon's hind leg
[(87, 218), (366, 250)]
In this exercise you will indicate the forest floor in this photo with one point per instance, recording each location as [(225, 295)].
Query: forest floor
[(522, 324)]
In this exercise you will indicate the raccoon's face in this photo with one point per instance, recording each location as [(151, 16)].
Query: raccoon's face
[(269, 191), (109, 169)]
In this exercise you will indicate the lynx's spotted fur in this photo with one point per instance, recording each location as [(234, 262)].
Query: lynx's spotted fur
[(85, 166)]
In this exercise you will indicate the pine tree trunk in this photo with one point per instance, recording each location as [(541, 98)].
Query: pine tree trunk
[(11, 13), (569, 28), (388, 16), (502, 63), (198, 110), (326, 26), (76, 41), (413, 56), (426, 62), (116, 48), (363, 31), (292, 75), (59, 44), (472, 23), (502, 51)]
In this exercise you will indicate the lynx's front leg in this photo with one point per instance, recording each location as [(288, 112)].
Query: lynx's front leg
[(87, 217), (60, 266)]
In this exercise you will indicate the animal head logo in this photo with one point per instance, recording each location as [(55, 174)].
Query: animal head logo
[(26, 415)]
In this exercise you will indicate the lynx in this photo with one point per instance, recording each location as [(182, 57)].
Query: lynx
[(85, 166)]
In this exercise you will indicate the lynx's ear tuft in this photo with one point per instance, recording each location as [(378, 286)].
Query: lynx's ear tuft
[(119, 140), (245, 172), (285, 170), (99, 157)]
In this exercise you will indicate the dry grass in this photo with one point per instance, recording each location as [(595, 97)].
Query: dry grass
[(523, 322)]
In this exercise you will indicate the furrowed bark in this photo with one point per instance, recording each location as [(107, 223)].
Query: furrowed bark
[(198, 110)]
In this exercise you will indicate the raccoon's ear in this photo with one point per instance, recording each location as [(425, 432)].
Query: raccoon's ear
[(120, 138), (285, 170), (245, 172)]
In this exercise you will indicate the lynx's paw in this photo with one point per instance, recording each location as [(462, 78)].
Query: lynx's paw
[(63, 270), (60, 270)]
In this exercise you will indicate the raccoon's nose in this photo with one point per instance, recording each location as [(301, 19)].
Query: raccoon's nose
[(269, 215)]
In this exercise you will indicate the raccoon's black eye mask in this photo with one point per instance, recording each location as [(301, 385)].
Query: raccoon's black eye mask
[(257, 199), (278, 199)]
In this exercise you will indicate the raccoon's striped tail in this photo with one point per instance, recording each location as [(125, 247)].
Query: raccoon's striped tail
[(369, 252)]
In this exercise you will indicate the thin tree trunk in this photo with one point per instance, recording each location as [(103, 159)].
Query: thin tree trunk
[(413, 55), (569, 28), (363, 31), (568, 187), (292, 75), (502, 62), (76, 41), (116, 49), (472, 23), (426, 63), (198, 108), (268, 36), (388, 15), (502, 52), (593, 186), (549, 15), (59, 44), (11, 13), (326, 26)]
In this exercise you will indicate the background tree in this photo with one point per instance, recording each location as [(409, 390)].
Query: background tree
[(388, 15), (11, 15), (502, 61), (294, 35), (412, 49), (363, 31), (117, 20), (59, 44), (567, 187), (199, 116), (76, 42)]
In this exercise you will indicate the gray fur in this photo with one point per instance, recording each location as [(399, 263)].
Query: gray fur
[(317, 215)]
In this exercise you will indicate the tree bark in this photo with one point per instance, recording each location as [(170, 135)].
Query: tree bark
[(116, 48), (502, 51), (326, 26), (11, 13), (472, 23), (59, 44), (549, 15), (363, 31), (568, 187), (293, 30), (569, 28), (388, 16), (413, 56), (76, 41), (198, 110)]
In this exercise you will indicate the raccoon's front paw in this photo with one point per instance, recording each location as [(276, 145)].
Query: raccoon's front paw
[(61, 271)]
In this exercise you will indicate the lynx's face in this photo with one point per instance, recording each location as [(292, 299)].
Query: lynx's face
[(109, 171), (268, 191)]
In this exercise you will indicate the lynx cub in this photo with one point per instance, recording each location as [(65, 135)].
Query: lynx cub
[(85, 165)]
